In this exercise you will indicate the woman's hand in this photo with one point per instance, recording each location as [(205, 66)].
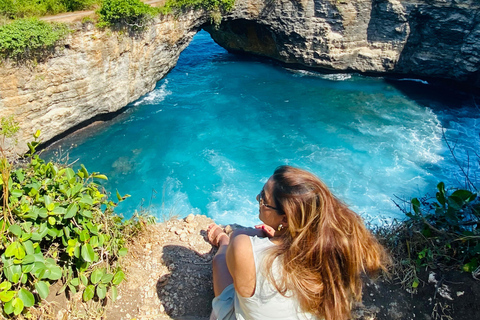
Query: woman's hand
[(267, 230)]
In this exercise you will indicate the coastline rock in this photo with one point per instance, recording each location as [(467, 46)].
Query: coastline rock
[(94, 73), (172, 279), (435, 38)]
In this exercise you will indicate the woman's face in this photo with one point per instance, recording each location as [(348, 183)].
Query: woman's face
[(267, 211)]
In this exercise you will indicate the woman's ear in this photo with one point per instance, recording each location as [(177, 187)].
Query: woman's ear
[(284, 220)]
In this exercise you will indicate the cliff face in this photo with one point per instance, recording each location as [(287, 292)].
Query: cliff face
[(95, 72), (100, 72), (434, 38)]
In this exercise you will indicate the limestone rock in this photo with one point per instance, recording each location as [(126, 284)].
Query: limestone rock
[(94, 73), (437, 38)]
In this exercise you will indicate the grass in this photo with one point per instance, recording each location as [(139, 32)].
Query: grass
[(16, 9)]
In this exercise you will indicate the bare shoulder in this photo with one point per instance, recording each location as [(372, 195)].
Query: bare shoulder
[(241, 265), (240, 242), (240, 251)]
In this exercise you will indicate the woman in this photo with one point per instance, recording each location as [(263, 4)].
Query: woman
[(304, 262)]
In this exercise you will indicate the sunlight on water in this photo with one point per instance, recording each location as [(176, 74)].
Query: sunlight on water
[(212, 132)]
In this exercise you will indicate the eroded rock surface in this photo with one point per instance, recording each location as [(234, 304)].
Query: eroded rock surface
[(95, 72), (431, 38), (99, 72)]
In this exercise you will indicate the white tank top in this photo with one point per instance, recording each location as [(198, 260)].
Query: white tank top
[(266, 303)]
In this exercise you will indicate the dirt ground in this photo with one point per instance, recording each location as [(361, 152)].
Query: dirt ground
[(168, 273), (169, 277), (70, 17)]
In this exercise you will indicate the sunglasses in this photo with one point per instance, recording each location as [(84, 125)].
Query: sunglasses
[(261, 201)]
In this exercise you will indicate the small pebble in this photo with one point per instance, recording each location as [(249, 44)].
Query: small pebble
[(189, 218)]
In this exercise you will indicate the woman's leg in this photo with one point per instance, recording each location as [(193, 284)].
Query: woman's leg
[(221, 275)]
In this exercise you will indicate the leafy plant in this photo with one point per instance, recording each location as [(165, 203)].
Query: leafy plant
[(27, 38), (450, 225), (8, 130), (14, 9), (212, 6), (75, 5), (439, 233), (133, 14), (58, 225)]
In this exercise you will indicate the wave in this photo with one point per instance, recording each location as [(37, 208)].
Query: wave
[(331, 76), (156, 96), (232, 198), (414, 80), (174, 201)]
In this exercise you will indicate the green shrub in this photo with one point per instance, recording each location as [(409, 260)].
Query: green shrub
[(133, 14), (450, 229), (441, 232), (26, 38), (75, 5), (34, 8), (57, 224), (28, 8), (214, 7), (208, 5)]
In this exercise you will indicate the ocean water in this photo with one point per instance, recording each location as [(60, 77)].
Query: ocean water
[(215, 128)]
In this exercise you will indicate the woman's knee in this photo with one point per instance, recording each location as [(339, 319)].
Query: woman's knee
[(219, 260)]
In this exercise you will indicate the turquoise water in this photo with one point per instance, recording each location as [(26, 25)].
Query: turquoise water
[(214, 129)]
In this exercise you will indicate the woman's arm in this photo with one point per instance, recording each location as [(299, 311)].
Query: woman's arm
[(241, 264), (261, 231)]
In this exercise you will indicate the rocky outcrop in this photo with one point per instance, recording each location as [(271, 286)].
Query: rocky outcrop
[(429, 38), (94, 72), (99, 72), (169, 276)]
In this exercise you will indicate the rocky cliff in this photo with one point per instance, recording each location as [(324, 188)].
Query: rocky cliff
[(99, 72), (93, 73), (425, 38)]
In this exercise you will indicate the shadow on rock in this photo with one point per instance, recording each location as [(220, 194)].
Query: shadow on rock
[(187, 291)]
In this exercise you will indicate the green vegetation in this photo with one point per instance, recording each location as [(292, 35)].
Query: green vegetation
[(450, 225), (120, 13), (208, 5), (213, 7), (441, 232), (29, 38), (23, 36), (14, 9), (56, 225)]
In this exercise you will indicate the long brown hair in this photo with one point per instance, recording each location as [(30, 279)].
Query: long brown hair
[(326, 248)]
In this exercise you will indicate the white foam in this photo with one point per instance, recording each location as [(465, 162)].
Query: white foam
[(174, 202), (331, 76), (414, 80), (156, 96), (232, 197), (414, 134), (336, 76)]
